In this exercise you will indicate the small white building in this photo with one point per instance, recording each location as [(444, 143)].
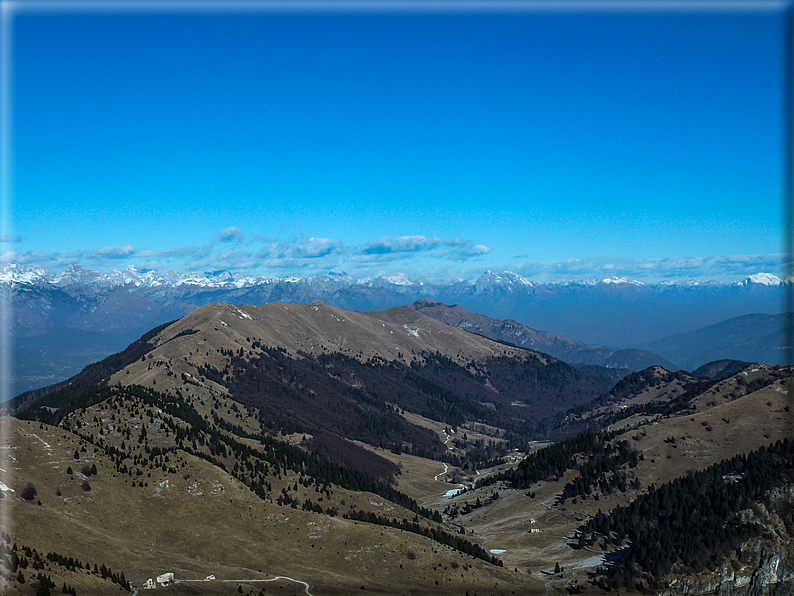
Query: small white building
[(165, 579), (149, 585)]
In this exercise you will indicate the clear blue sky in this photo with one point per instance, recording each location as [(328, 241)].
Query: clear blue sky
[(558, 145)]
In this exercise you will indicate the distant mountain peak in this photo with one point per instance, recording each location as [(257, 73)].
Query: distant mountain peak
[(505, 280), (398, 279), (15, 273), (764, 279), (617, 280), (426, 303)]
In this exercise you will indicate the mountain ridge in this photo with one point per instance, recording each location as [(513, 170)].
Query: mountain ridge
[(75, 275), (83, 304), (315, 365), (753, 337), (567, 350)]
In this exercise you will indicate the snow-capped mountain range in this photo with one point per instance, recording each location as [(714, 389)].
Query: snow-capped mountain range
[(76, 276)]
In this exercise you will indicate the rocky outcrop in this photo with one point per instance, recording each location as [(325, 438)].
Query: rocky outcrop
[(763, 566)]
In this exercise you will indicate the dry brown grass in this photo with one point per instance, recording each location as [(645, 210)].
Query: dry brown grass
[(395, 334), (231, 534)]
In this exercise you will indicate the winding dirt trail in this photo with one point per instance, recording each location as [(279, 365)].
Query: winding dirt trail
[(446, 468), (278, 577)]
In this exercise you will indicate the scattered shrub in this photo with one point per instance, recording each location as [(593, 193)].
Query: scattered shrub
[(29, 492)]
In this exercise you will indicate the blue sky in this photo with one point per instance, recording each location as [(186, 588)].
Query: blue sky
[(560, 145)]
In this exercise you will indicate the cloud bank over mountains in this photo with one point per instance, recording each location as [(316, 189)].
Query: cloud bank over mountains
[(417, 255)]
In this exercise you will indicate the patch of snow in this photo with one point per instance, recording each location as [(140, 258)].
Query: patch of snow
[(5, 489), (497, 551), (414, 332), (398, 279)]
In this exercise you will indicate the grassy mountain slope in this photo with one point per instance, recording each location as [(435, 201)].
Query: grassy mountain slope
[(312, 367), (158, 498), (223, 445)]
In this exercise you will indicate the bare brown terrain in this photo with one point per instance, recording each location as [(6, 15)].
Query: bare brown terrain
[(193, 486), (201, 521)]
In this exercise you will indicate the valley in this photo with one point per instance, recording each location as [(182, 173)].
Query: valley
[(307, 449)]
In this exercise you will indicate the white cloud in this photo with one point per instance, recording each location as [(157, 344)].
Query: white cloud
[(718, 268), (429, 256), (305, 248), (315, 247), (111, 252), (231, 234), (386, 245), (468, 250), (406, 247)]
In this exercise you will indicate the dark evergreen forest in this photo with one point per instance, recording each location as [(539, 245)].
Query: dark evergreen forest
[(693, 521)]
